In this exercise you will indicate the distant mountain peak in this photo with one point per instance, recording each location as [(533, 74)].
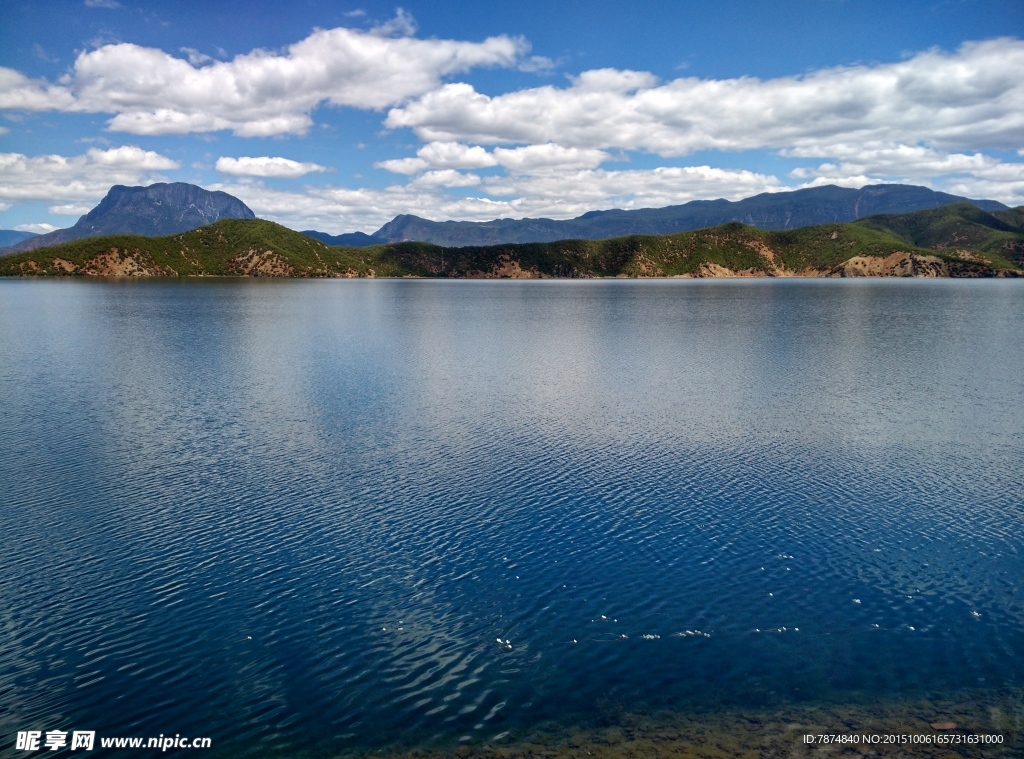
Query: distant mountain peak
[(13, 237), (165, 208)]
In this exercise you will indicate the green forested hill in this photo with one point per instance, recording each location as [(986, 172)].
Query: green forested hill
[(240, 247), (958, 226), (957, 240)]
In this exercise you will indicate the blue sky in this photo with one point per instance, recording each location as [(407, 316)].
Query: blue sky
[(339, 115)]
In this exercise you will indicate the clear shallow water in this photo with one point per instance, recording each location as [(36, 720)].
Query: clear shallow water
[(296, 516)]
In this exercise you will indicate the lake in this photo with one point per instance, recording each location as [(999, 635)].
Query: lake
[(354, 517)]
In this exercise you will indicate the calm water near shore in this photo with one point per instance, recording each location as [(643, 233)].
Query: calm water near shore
[(345, 517)]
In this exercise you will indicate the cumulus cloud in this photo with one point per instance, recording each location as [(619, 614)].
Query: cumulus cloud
[(71, 209), (1004, 181), (949, 101), (404, 165), (635, 188), (926, 119), (40, 229), (260, 93), (902, 161), (556, 195), (129, 158), (537, 158), (342, 209), (441, 155), (446, 178), (1010, 192), (975, 175), (266, 166), (78, 179), (18, 92), (527, 159)]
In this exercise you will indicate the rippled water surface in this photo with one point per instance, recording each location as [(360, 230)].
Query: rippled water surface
[(298, 516)]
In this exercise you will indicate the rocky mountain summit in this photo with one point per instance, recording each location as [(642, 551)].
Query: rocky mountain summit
[(154, 211)]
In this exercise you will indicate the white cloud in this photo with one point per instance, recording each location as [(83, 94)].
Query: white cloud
[(926, 120), (974, 175), (441, 155), (537, 64), (402, 25), (527, 159), (634, 188), (71, 209), (77, 179), (536, 158), (555, 195), (453, 155), (18, 92), (948, 101), (130, 158), (404, 165), (195, 57), (110, 4), (853, 181), (342, 209), (1004, 181), (907, 162), (40, 229), (446, 178), (263, 92), (266, 166)]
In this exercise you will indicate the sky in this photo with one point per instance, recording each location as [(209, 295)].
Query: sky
[(338, 116)]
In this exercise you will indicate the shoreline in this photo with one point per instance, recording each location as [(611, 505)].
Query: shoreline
[(1003, 274), (893, 728)]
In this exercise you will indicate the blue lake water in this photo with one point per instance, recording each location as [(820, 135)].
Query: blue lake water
[(296, 517)]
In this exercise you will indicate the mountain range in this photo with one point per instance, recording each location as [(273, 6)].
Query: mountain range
[(957, 240), (166, 209), (773, 210)]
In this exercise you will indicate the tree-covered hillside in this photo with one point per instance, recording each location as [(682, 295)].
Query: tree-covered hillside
[(957, 240)]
